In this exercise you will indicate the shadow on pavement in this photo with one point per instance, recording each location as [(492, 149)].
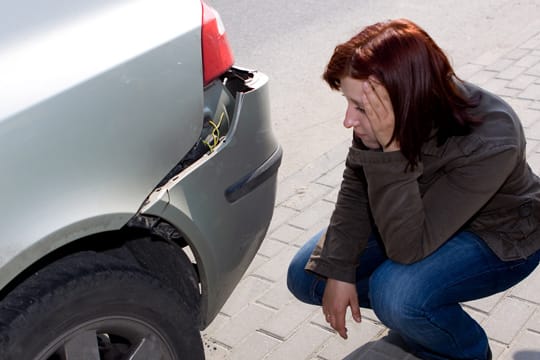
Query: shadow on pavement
[(388, 347), (527, 355)]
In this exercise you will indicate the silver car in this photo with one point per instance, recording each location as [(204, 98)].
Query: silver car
[(138, 177)]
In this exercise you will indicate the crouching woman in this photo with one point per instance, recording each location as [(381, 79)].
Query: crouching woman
[(437, 205)]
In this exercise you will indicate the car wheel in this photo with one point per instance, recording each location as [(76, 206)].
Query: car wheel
[(94, 306)]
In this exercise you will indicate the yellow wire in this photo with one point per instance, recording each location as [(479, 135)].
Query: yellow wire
[(215, 133)]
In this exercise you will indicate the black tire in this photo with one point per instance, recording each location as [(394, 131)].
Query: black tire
[(94, 306)]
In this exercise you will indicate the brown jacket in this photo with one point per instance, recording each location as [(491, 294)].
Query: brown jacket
[(479, 182)]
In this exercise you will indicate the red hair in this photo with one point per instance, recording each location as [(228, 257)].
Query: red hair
[(418, 77)]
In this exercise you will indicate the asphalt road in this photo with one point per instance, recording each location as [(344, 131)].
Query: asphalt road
[(291, 41)]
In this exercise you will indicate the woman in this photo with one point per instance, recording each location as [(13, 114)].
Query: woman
[(437, 205)]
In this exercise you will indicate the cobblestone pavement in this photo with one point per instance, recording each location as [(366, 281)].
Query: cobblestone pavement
[(263, 321)]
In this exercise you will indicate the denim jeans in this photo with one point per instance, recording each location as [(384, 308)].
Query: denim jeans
[(421, 301)]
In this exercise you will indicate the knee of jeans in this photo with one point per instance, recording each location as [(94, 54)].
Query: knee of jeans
[(394, 303), (296, 286), (301, 284)]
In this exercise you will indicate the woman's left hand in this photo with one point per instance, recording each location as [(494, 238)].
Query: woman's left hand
[(380, 113)]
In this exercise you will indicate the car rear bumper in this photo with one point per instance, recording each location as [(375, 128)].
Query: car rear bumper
[(223, 203)]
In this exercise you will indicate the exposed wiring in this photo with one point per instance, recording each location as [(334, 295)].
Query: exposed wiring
[(214, 141)]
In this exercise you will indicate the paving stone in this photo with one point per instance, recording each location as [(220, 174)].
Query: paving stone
[(533, 131), (497, 349), (529, 118), (486, 304), (287, 233), (499, 65), (467, 70), (271, 247), (528, 61), (516, 54), (214, 350), (287, 188), (242, 325), (531, 92), (276, 268), (257, 261), (521, 82), (307, 195), (358, 335), (331, 159), (506, 91), (534, 70), (532, 43), (482, 77), (535, 105), (495, 85), (219, 321), (301, 345), (278, 296), (369, 314), (289, 318), (249, 289), (256, 346), (518, 104), (281, 216), (534, 322), (526, 347), (532, 146), (320, 211), (528, 289), (511, 72), (507, 319), (308, 234), (334, 177), (336, 155), (487, 58), (332, 196)]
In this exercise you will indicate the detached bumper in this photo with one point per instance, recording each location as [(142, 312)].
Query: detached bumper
[(223, 203)]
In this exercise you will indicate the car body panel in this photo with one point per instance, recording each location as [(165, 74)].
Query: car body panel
[(225, 235), (89, 138)]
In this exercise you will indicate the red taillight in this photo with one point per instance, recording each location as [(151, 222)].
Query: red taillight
[(216, 52)]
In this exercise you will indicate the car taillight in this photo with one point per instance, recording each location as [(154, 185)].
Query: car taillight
[(216, 52)]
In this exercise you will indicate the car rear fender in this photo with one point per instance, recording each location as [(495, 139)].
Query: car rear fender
[(223, 203)]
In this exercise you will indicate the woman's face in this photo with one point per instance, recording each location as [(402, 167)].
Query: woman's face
[(355, 116)]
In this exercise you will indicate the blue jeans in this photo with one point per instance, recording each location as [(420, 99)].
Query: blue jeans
[(421, 301)]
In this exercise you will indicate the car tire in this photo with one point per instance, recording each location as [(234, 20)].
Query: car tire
[(97, 307)]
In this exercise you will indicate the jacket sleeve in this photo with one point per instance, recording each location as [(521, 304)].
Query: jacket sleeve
[(336, 255), (412, 226)]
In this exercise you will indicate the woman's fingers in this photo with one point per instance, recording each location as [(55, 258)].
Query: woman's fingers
[(376, 100), (379, 110), (382, 94)]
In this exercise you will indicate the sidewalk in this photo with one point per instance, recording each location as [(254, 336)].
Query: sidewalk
[(263, 321)]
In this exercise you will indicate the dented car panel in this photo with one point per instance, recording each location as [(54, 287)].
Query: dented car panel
[(224, 211)]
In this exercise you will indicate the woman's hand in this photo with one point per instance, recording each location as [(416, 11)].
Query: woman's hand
[(338, 295), (380, 113)]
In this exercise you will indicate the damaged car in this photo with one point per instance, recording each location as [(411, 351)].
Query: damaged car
[(139, 172)]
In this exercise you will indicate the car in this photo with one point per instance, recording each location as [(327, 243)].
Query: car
[(139, 172)]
